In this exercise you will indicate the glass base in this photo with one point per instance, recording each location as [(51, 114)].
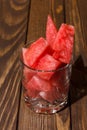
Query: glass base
[(39, 105)]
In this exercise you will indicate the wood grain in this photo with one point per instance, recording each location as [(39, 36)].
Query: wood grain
[(13, 25), (23, 21), (76, 14), (82, 7), (36, 28)]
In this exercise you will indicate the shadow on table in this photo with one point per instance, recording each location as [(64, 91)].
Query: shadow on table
[(78, 87)]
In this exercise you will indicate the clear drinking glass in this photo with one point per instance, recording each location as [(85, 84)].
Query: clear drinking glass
[(46, 96)]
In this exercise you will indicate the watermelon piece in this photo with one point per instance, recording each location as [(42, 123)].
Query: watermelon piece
[(28, 73), (47, 63), (61, 79), (34, 52), (40, 84), (50, 95), (56, 55), (63, 44), (59, 86), (51, 31), (36, 84), (63, 56), (32, 92)]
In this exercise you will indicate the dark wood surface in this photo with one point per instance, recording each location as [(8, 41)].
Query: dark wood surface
[(25, 20)]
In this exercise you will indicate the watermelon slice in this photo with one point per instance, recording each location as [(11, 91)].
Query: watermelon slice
[(47, 63), (34, 52), (28, 73), (63, 44), (61, 83), (36, 84), (50, 95), (51, 31), (33, 93), (39, 84)]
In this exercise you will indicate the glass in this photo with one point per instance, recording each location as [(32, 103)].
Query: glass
[(46, 96)]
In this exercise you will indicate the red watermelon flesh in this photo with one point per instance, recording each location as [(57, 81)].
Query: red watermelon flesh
[(39, 84), (61, 83), (28, 73), (33, 93), (33, 53), (51, 31), (63, 44), (56, 55), (51, 95), (47, 63), (35, 85)]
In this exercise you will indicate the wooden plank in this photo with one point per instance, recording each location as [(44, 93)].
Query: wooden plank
[(36, 28), (13, 25), (76, 14), (82, 7)]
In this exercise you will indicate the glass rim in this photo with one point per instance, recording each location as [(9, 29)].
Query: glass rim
[(38, 70)]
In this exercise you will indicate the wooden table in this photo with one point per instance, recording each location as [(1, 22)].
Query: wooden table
[(25, 20)]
